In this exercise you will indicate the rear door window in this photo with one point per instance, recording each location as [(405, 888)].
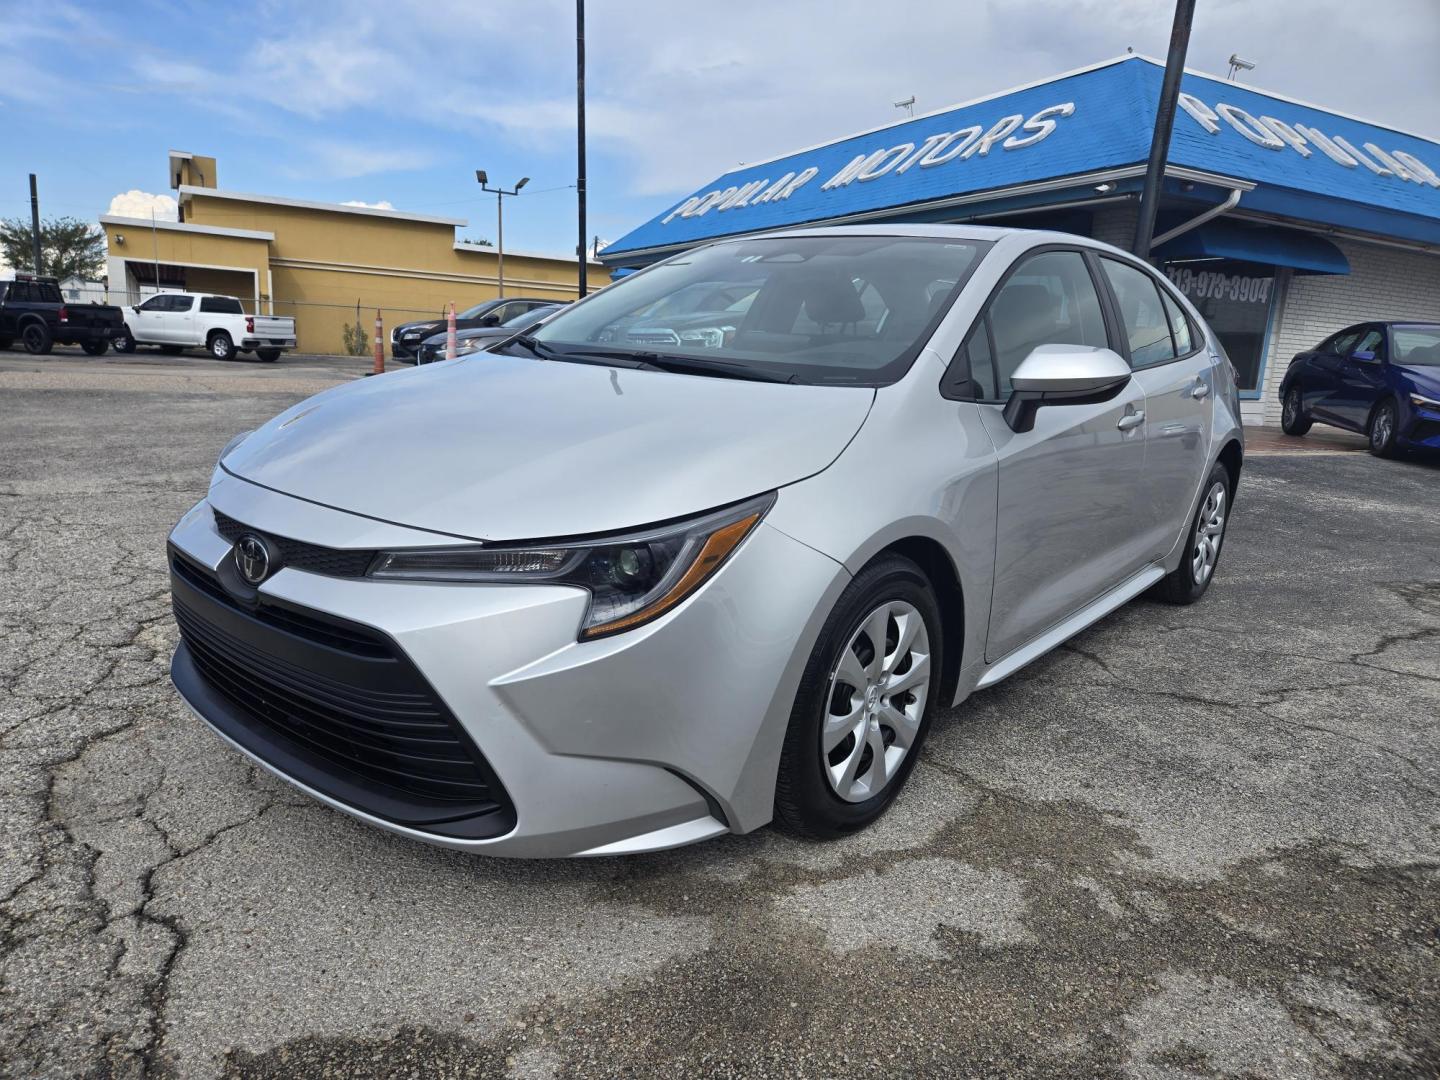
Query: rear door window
[(1341, 343), (221, 305), (181, 303), (1142, 314)]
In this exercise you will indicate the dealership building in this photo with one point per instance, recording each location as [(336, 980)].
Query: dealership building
[(1282, 221), (329, 265)]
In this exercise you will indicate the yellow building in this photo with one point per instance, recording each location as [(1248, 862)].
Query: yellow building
[(328, 265)]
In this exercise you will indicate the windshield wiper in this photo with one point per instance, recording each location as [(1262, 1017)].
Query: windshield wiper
[(684, 365), (530, 345)]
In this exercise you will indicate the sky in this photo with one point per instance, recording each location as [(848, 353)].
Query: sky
[(396, 103)]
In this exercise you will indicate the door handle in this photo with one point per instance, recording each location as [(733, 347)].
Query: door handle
[(1131, 420), (1201, 389)]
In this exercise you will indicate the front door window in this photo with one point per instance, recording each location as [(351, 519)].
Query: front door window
[(1235, 300)]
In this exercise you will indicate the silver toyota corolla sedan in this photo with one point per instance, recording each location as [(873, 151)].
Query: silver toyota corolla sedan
[(712, 546)]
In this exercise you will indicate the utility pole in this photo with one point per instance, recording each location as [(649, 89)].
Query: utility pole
[(1164, 124), (35, 222), (484, 181), (580, 144)]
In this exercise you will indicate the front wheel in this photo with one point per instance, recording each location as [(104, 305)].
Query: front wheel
[(1293, 420), (863, 707), (1188, 582), (221, 347), (36, 338), (1383, 429), (125, 343)]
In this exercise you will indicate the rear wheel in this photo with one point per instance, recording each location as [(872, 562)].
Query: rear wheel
[(1293, 418), (95, 347), (220, 346), (125, 343), (268, 355), (1188, 582), (36, 338), (1383, 429), (864, 703)]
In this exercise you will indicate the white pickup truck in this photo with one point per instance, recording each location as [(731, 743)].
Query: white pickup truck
[(218, 324)]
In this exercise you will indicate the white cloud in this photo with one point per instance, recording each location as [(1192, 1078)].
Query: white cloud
[(140, 204), (383, 204)]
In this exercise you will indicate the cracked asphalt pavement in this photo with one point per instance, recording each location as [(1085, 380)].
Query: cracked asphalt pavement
[(1195, 842)]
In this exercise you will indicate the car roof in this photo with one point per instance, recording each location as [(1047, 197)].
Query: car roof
[(1011, 236)]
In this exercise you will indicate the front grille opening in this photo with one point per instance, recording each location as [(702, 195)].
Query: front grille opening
[(356, 713), (332, 562)]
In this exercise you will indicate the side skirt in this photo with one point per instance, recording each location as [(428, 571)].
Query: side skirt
[(1092, 612)]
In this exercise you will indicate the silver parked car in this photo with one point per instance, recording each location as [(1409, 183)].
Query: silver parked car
[(668, 584)]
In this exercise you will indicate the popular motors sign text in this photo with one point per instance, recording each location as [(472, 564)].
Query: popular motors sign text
[(1014, 132), (1278, 135)]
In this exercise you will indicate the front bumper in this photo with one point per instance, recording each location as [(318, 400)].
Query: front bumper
[(665, 735), (1423, 430)]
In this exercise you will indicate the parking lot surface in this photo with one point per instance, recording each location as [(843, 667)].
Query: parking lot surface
[(1195, 841)]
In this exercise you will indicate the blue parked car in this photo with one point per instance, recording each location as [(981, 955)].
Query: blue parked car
[(1380, 379)]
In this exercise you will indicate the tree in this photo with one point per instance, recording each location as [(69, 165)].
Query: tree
[(478, 241), (69, 247)]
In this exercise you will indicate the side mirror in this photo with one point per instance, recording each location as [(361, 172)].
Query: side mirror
[(1063, 375), (490, 320), (1362, 354)]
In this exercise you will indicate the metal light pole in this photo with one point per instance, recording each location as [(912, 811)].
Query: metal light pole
[(1164, 124), (35, 223), (580, 144), (500, 194)]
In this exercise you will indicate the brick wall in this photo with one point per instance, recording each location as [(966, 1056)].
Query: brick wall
[(1383, 283)]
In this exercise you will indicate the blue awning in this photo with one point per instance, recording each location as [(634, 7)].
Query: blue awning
[(1303, 252)]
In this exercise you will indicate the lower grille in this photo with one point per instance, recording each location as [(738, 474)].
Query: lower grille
[(1424, 430), (363, 726)]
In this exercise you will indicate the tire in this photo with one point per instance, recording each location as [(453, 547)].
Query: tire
[(809, 786), (220, 345), (172, 350), (36, 338), (1383, 429), (268, 355), (1188, 582), (1294, 420), (125, 343), (95, 347)]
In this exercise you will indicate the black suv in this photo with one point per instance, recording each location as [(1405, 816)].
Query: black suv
[(34, 310), (405, 339)]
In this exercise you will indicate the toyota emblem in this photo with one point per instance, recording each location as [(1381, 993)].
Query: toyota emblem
[(252, 559)]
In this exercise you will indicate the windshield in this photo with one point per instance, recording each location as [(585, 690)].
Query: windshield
[(810, 309), (1417, 346), (478, 310)]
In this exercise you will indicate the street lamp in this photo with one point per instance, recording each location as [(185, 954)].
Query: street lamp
[(500, 193)]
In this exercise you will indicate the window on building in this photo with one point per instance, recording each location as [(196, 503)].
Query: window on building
[(1235, 300), (1049, 300), (1142, 313)]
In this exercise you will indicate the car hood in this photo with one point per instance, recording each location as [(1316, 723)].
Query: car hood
[(1426, 379), (506, 448)]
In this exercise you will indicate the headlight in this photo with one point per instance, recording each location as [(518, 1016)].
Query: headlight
[(477, 345), (710, 337), (631, 579), (1425, 402), (233, 443)]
